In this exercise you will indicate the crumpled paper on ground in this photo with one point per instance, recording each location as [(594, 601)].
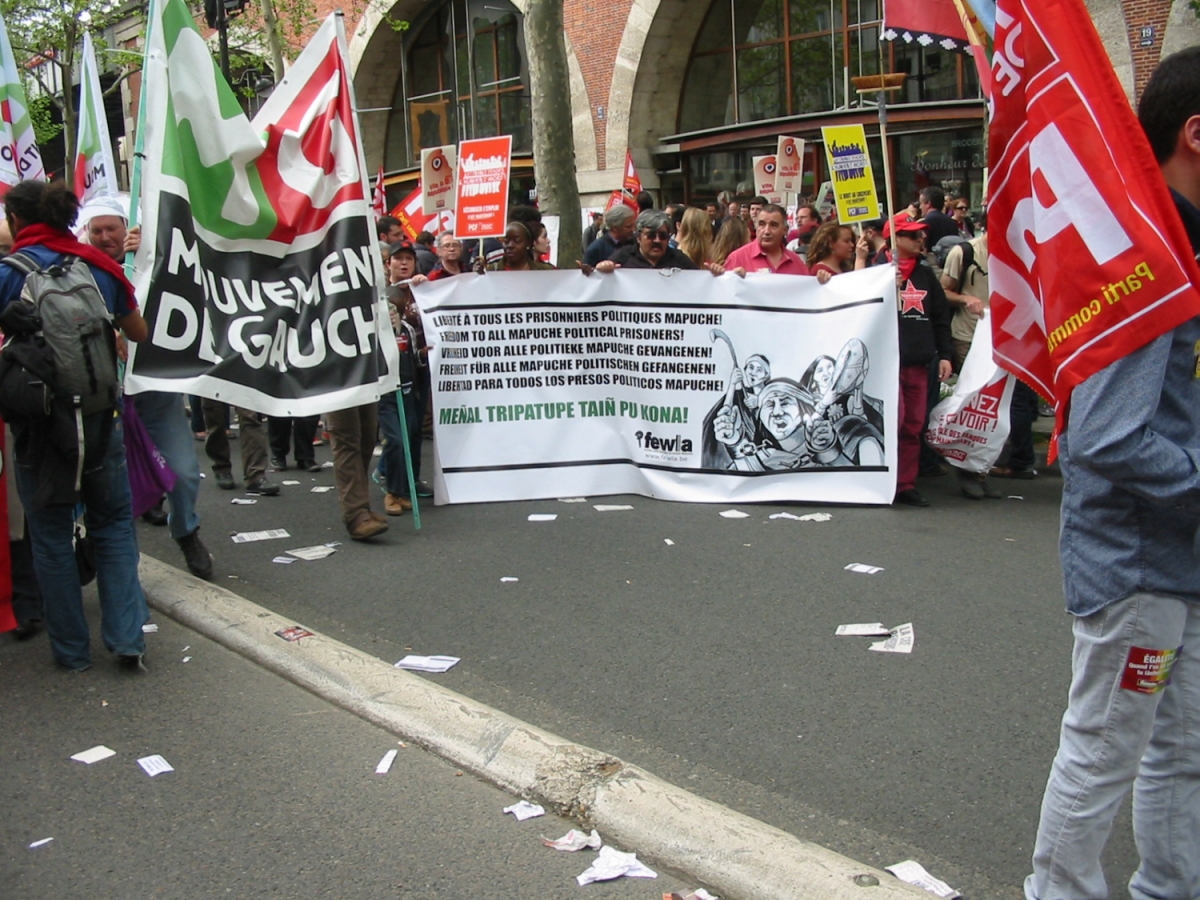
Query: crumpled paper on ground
[(612, 864), (575, 840), (914, 873), (525, 810)]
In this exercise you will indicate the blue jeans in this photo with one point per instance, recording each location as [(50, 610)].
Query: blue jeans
[(109, 520), (1114, 738), (391, 463), (167, 423)]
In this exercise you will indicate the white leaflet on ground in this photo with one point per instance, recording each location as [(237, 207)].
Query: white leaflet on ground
[(509, 578), (290, 481), (863, 629), (186, 659), (321, 489), (149, 628), (734, 514), (863, 569), (386, 762), (901, 640), (784, 516), (318, 551), (575, 840), (246, 537), (94, 755), (284, 560), (543, 517), (1015, 497), (40, 843), (327, 465), (525, 810), (668, 542), (613, 864), (816, 517), (243, 501), (914, 873), (154, 765), (572, 499), (427, 663), (608, 507)]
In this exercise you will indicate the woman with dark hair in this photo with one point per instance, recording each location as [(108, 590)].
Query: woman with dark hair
[(59, 464), (519, 253), (733, 234), (831, 250)]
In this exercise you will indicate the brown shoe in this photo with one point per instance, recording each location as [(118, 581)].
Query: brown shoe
[(365, 526), (377, 517), (395, 505)]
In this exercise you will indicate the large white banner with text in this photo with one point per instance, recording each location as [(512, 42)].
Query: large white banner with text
[(680, 386)]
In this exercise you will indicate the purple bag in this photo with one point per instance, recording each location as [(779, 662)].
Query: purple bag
[(149, 475)]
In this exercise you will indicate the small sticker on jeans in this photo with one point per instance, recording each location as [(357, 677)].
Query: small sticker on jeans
[(1148, 671)]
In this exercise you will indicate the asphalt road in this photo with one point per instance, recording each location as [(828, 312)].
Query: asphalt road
[(274, 793), (713, 662)]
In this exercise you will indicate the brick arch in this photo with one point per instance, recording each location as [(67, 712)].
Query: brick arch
[(375, 67)]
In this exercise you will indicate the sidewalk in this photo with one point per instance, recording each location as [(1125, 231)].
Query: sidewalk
[(274, 793)]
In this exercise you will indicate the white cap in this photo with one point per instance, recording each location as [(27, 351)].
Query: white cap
[(104, 205)]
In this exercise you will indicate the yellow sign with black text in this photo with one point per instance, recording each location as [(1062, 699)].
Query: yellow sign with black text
[(850, 170)]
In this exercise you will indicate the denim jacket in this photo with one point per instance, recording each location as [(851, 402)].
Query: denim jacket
[(1131, 471)]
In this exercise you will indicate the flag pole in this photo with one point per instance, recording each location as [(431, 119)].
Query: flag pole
[(362, 169), (139, 141)]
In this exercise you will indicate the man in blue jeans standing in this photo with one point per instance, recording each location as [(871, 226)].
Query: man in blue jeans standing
[(40, 216), (1131, 568)]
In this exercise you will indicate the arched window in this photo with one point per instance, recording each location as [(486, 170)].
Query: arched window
[(464, 74), (766, 59)]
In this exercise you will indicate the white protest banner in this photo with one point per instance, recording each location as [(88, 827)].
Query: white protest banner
[(437, 178), (687, 387), (95, 174), (259, 269), (19, 156), (970, 426), (764, 178), (789, 160)]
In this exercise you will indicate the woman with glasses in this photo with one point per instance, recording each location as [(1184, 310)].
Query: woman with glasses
[(960, 211)]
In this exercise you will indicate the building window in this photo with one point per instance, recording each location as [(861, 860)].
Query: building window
[(464, 75), (765, 59)]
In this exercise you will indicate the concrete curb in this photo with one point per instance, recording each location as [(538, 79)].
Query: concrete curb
[(737, 856)]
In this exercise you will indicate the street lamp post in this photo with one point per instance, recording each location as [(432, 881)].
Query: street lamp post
[(881, 84)]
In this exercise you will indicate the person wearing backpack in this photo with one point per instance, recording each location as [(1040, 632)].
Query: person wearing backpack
[(54, 472)]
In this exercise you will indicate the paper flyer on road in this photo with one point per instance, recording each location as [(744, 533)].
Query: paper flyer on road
[(575, 840), (94, 755), (864, 569), (612, 864), (901, 640), (866, 629), (434, 664), (525, 810), (319, 551), (248, 537), (385, 764), (689, 387), (154, 765), (914, 873)]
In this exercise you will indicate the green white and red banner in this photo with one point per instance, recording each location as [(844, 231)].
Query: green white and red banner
[(95, 174), (259, 270), (19, 156)]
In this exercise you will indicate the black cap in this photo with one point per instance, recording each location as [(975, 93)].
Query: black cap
[(402, 246)]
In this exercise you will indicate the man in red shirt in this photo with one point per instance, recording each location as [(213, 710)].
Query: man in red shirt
[(766, 253)]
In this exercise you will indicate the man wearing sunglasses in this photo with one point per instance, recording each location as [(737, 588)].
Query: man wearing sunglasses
[(652, 249)]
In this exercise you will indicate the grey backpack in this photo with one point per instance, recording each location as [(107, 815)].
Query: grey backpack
[(77, 327)]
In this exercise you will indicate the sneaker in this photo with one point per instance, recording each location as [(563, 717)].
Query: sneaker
[(195, 554), (225, 481), (279, 464), (156, 515), (365, 526), (131, 662), (911, 497), (424, 490), (395, 505), (262, 488)]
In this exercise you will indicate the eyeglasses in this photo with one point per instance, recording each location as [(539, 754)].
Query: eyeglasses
[(657, 235), (961, 208)]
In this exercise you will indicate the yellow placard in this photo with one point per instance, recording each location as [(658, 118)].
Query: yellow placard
[(850, 169)]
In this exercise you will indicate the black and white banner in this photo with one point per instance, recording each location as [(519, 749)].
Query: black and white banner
[(677, 386)]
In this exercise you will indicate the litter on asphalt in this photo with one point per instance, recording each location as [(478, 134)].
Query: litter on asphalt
[(575, 840), (289, 482), (154, 765), (698, 894), (321, 489), (284, 560), (43, 842), (900, 640), (294, 633), (734, 514), (525, 810), (386, 763), (543, 517), (863, 629), (609, 507), (318, 551), (243, 501), (271, 534), (434, 664), (572, 499), (612, 864), (509, 578), (863, 569), (94, 754), (149, 628), (668, 542), (914, 873)]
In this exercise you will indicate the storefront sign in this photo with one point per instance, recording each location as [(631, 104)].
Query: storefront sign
[(853, 180), (482, 197)]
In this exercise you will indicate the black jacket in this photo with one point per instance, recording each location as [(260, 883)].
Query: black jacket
[(924, 319)]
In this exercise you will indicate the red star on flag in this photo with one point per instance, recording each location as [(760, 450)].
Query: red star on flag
[(912, 299)]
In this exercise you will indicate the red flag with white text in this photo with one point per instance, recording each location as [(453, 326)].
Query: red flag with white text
[(1087, 254), (632, 182)]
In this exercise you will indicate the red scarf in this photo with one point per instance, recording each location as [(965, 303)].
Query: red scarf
[(907, 267), (64, 242)]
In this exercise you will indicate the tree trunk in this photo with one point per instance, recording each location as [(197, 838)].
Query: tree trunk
[(553, 137), (273, 43)]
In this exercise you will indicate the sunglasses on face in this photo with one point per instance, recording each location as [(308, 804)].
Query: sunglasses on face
[(961, 208), (657, 235)]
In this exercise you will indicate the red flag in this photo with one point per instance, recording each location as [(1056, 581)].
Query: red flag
[(925, 22), (410, 211), (632, 183), (1087, 258), (379, 198)]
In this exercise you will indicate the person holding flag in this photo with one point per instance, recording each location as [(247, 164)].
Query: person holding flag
[(1131, 512)]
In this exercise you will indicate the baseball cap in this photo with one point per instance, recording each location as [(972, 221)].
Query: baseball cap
[(402, 246)]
